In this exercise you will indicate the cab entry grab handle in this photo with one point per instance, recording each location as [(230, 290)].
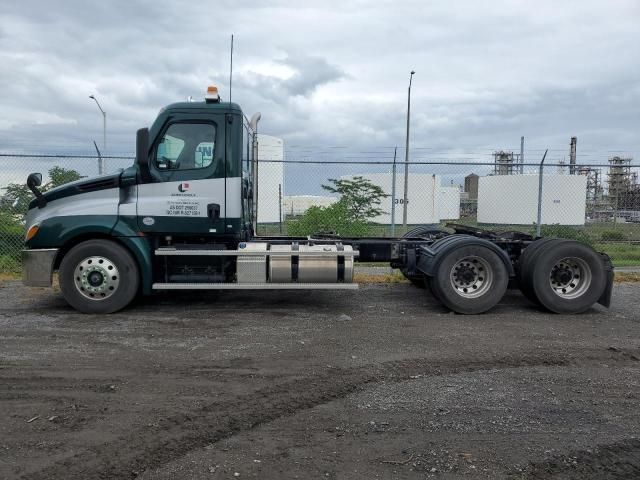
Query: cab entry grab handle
[(213, 211)]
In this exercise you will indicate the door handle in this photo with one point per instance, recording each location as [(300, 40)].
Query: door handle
[(213, 211)]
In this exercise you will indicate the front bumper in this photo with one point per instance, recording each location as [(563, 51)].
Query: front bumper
[(37, 266)]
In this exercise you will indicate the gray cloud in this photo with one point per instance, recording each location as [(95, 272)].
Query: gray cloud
[(487, 72)]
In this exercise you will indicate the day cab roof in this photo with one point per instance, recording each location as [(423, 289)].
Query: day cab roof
[(229, 107), (192, 107)]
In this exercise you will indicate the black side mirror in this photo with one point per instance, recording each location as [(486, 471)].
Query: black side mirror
[(34, 180), (142, 154)]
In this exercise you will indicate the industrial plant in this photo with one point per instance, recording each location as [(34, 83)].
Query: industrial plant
[(499, 193), (610, 193)]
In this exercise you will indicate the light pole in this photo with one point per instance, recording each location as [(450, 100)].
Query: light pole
[(406, 157), (104, 135)]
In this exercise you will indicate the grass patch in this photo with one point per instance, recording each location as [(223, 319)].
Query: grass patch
[(622, 254), (395, 277), (621, 277), (9, 276)]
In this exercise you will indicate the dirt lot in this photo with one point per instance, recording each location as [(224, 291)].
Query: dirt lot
[(378, 383)]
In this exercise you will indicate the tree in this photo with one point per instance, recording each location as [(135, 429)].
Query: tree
[(16, 199), (332, 219), (59, 176), (360, 197), (359, 202), (17, 196), (14, 205)]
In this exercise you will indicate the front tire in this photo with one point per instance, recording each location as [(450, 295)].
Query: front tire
[(98, 276), (470, 280)]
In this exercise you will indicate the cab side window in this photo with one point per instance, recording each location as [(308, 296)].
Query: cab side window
[(186, 146)]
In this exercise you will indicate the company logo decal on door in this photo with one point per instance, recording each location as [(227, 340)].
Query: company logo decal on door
[(183, 187)]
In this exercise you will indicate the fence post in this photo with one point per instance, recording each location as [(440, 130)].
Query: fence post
[(100, 164), (280, 207), (393, 194), (538, 226)]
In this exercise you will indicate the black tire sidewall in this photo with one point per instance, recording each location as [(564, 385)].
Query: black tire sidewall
[(445, 292), (527, 260), (127, 270), (548, 257)]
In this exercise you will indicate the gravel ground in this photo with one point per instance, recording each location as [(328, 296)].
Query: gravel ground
[(377, 383)]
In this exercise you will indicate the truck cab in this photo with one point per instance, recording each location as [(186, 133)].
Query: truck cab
[(182, 216)]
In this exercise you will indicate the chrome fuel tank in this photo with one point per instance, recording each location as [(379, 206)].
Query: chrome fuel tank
[(327, 266)]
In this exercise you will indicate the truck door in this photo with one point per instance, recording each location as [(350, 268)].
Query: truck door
[(188, 166)]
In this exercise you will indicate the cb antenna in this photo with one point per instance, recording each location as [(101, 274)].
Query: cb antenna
[(231, 69)]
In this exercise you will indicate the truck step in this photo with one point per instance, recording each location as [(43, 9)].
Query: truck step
[(255, 286), (249, 253)]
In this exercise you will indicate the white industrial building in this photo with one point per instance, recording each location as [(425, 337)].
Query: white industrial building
[(513, 199), (270, 177), (428, 201), (449, 203)]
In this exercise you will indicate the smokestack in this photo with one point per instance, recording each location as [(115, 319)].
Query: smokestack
[(521, 155), (572, 156)]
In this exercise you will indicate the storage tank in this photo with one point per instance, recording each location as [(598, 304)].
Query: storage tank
[(270, 177), (513, 199), (449, 203), (427, 200)]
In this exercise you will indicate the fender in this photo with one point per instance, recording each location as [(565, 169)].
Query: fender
[(429, 257), (141, 250)]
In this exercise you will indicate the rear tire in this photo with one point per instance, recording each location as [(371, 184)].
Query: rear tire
[(470, 280), (418, 279), (98, 276), (568, 277), (527, 261)]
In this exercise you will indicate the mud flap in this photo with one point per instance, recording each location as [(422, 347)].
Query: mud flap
[(605, 298)]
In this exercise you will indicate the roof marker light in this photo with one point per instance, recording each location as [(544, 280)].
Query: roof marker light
[(212, 95)]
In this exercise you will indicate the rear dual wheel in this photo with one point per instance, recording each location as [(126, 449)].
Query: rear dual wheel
[(527, 262), (418, 279), (470, 279), (564, 276)]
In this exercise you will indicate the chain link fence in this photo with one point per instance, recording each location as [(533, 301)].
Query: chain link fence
[(598, 204), (592, 204)]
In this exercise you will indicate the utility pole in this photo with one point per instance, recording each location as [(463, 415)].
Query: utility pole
[(572, 155), (231, 69), (104, 135), (406, 157), (521, 155), (253, 124)]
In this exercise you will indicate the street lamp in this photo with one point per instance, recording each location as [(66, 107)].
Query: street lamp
[(104, 134), (406, 157)]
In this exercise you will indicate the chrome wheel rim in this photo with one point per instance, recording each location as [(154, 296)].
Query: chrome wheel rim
[(570, 277), (96, 278), (471, 277)]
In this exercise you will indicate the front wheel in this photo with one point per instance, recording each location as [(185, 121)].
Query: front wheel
[(470, 279), (98, 276)]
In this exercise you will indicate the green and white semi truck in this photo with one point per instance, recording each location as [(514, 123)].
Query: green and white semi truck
[(184, 217)]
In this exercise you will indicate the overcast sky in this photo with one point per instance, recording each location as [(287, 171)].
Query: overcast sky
[(330, 73)]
